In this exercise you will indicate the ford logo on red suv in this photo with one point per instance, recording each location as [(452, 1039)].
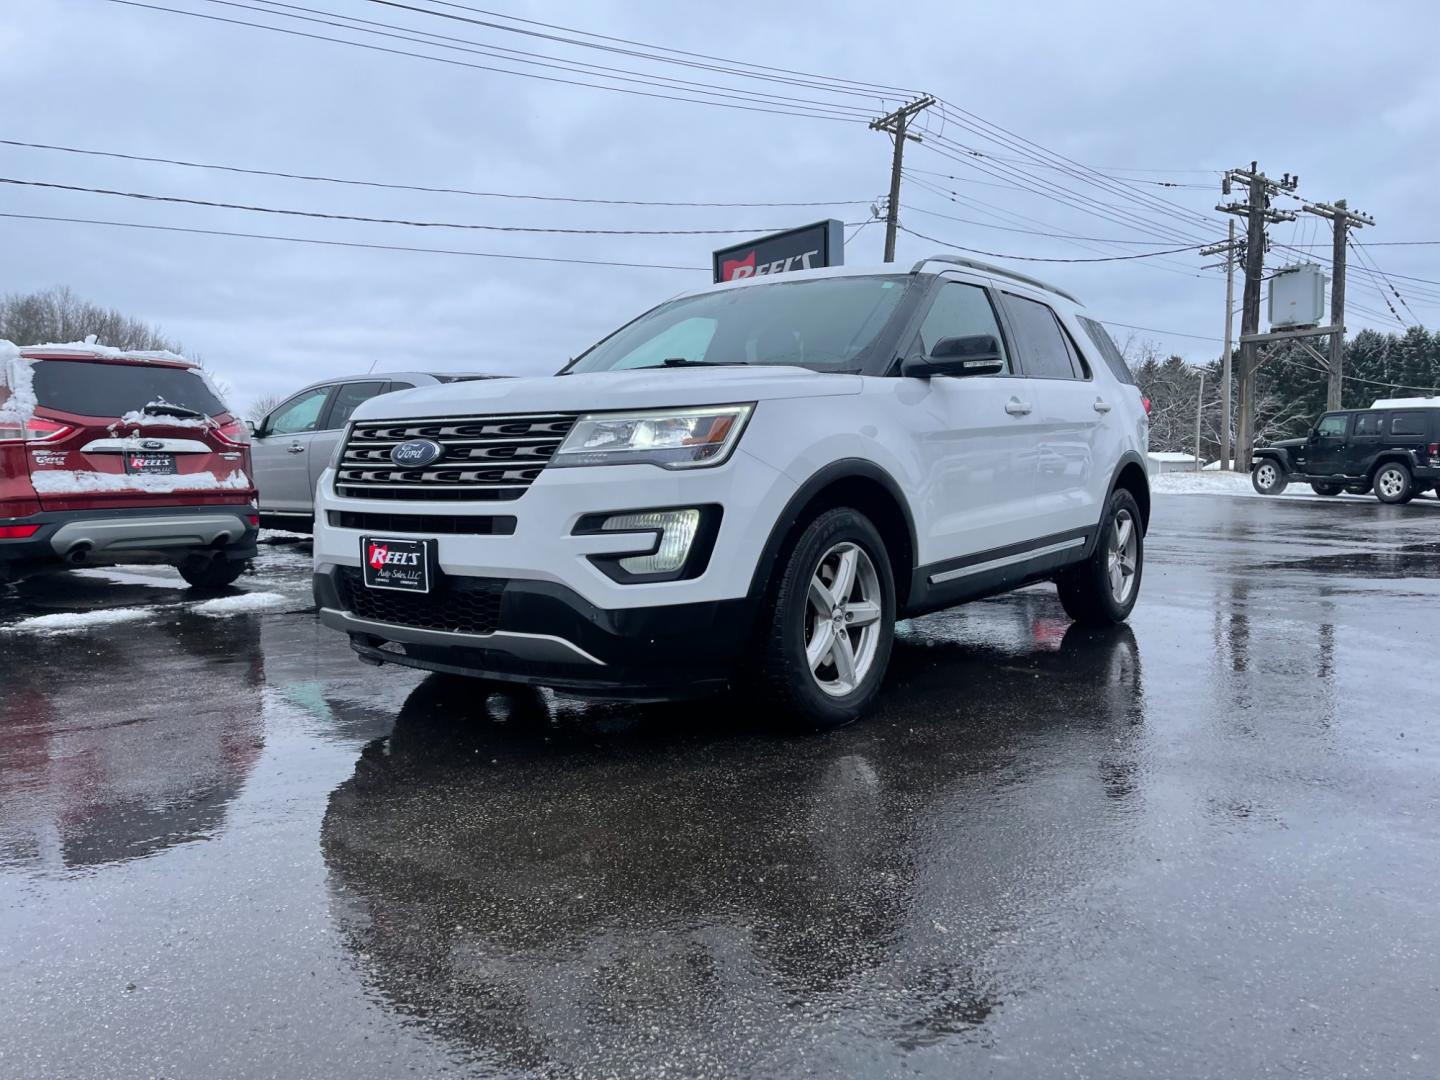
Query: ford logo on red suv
[(416, 453)]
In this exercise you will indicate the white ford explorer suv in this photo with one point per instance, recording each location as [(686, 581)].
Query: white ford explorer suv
[(750, 482)]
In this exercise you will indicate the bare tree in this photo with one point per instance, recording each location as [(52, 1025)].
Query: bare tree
[(262, 406), (58, 315)]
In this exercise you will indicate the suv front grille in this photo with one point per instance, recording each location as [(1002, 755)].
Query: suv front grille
[(485, 458), (459, 604)]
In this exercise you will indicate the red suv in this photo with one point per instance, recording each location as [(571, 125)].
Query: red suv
[(111, 456)]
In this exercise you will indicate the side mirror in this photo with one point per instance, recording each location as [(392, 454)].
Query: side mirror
[(1314, 434), (251, 427), (978, 354)]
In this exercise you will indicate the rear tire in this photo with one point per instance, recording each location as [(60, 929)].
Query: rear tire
[(211, 573), (1268, 478), (1394, 483), (1325, 489), (835, 587), (1103, 589)]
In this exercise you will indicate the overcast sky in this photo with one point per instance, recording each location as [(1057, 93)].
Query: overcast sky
[(1116, 86)]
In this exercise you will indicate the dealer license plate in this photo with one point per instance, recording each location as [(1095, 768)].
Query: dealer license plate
[(402, 565), (146, 462)]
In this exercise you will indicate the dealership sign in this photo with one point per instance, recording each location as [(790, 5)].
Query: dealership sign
[(805, 248)]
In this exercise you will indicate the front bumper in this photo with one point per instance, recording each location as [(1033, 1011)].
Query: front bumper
[(132, 534), (547, 634)]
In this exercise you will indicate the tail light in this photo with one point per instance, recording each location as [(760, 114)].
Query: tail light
[(1434, 449), (18, 532), (233, 433), (1146, 402), (35, 429)]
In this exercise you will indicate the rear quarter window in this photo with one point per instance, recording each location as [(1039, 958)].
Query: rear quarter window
[(1109, 351), (1409, 423), (92, 389)]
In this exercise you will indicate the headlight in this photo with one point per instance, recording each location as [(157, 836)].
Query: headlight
[(671, 438)]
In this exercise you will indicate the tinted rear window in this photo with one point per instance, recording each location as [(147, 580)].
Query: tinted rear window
[(1114, 360), (1408, 423), (116, 389)]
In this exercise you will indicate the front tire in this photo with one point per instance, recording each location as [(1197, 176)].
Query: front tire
[(211, 574), (1394, 483), (1267, 478), (1103, 589), (832, 622)]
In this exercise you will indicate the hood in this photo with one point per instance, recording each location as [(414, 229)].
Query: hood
[(1287, 444), (607, 390)]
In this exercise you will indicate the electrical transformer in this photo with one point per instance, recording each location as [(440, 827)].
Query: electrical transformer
[(1297, 296)]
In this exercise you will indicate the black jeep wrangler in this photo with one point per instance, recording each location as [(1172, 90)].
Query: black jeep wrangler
[(1393, 451)]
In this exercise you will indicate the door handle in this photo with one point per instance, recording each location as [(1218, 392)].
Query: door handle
[(295, 448), (1016, 407), (1101, 406)]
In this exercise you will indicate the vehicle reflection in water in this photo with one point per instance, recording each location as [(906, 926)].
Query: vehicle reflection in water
[(556, 886), (96, 763)]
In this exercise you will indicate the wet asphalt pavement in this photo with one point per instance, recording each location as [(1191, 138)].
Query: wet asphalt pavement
[(1204, 845)]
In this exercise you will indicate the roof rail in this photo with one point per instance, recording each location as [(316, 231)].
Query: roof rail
[(990, 268)]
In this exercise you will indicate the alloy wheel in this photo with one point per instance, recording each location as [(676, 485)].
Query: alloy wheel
[(1391, 483), (1123, 559), (842, 624), (1266, 475)]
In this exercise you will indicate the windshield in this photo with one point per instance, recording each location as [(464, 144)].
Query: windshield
[(825, 324), (116, 389)]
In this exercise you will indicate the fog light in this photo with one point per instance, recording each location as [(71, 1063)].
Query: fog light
[(677, 532)]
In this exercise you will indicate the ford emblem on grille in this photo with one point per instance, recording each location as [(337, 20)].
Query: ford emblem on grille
[(416, 453)]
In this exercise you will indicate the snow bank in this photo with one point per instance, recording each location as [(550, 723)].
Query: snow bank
[(17, 386), (70, 621), (1203, 483), (243, 604), (65, 482), (119, 575)]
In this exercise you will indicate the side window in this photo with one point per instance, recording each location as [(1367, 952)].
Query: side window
[(961, 310), (1333, 425), (1039, 339), (299, 414), (1407, 423), (348, 397), (1367, 423), (1114, 359), (396, 384)]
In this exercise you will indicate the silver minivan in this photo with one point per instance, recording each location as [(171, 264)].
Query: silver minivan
[(291, 446)]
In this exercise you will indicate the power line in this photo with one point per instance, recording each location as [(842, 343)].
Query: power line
[(781, 75), (146, 197), (418, 187), (1167, 333), (1028, 232), (1034, 258), (542, 60), (354, 243), (484, 67)]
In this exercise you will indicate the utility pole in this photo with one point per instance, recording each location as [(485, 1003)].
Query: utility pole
[(897, 124), (1199, 412), (1230, 249), (1341, 221), (1256, 210)]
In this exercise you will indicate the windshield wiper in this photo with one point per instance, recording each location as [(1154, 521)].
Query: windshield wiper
[(680, 361), (164, 408)]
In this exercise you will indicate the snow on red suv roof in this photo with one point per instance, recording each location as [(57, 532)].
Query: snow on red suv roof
[(84, 350)]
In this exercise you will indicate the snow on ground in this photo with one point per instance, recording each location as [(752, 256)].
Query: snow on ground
[(71, 621), (1229, 483), (160, 577), (245, 603), (68, 482)]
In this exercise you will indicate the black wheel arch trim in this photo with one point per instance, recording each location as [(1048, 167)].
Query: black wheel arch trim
[(789, 519), (1131, 457)]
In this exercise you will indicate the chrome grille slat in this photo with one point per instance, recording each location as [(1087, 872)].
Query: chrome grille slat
[(489, 457)]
